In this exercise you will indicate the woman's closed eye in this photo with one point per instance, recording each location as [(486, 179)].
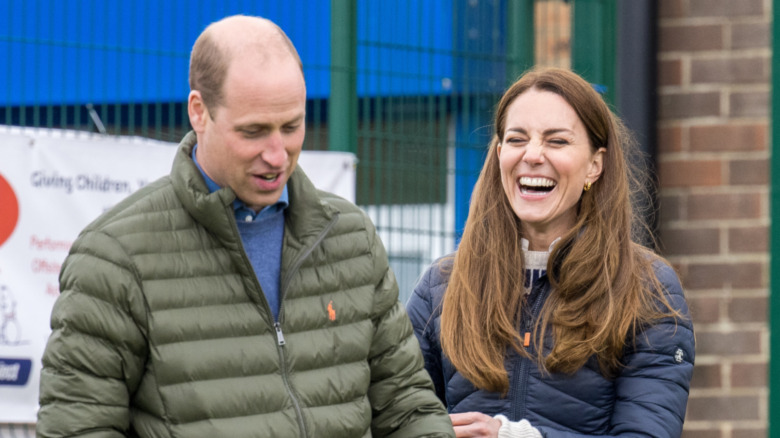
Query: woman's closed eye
[(558, 142), (516, 141)]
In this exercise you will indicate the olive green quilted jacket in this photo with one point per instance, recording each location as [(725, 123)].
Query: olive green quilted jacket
[(162, 330)]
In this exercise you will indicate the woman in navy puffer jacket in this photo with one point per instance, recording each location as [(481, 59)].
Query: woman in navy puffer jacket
[(550, 320)]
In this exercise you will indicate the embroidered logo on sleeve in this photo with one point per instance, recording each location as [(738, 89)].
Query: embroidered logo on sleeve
[(331, 312), (678, 355)]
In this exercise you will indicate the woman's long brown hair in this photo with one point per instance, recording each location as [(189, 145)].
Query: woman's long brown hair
[(604, 287)]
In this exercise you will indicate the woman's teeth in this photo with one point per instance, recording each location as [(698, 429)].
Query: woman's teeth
[(536, 184)]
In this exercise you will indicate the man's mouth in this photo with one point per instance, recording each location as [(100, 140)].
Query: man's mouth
[(533, 185), (270, 177)]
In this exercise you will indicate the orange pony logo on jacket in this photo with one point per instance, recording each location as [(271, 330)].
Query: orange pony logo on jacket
[(331, 312)]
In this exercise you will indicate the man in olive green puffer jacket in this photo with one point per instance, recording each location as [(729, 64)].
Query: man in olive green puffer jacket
[(177, 319)]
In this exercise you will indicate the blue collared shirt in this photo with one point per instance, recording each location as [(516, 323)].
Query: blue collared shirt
[(261, 234), (242, 211)]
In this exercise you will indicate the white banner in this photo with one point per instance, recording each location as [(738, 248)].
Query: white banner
[(52, 184)]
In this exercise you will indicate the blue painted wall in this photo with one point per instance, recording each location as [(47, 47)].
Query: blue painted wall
[(73, 52), (108, 51)]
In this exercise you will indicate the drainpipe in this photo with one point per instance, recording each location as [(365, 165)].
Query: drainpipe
[(774, 256), (636, 84)]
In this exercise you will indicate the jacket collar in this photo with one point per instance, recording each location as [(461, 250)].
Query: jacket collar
[(307, 214)]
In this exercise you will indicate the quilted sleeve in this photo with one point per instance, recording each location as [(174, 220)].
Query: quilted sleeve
[(402, 400), (652, 388), (96, 352), (421, 313)]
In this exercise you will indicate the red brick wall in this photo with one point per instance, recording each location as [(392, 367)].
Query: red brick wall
[(714, 103)]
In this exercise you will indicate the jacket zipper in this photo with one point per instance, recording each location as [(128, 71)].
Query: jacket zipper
[(280, 342), (520, 390), (301, 258)]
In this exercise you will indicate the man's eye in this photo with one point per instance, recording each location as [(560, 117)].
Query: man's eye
[(250, 133), (290, 128)]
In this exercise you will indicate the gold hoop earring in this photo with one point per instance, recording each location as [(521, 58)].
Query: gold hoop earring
[(587, 185)]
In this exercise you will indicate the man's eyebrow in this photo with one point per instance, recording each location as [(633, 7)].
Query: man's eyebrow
[(296, 119), (252, 125), (260, 125)]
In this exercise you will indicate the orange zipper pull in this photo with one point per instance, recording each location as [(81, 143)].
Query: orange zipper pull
[(527, 339)]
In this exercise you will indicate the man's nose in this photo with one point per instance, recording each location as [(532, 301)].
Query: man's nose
[(275, 154)]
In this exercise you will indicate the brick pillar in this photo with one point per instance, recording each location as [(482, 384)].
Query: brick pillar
[(714, 113)]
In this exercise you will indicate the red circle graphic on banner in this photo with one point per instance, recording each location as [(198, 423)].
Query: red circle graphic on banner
[(9, 210)]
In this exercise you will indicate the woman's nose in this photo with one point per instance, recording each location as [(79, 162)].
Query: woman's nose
[(534, 152)]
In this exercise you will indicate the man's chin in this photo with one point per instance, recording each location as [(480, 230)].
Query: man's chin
[(258, 203)]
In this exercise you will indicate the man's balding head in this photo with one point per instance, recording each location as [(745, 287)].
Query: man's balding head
[(235, 37)]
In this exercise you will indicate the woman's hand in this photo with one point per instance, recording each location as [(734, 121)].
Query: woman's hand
[(475, 424)]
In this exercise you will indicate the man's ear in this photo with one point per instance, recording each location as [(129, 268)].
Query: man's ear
[(197, 111), (597, 165)]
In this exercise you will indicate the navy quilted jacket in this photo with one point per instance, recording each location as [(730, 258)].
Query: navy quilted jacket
[(647, 399)]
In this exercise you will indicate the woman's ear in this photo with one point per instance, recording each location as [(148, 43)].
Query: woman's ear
[(596, 165), (197, 111)]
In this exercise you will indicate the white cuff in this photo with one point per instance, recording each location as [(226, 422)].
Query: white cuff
[(519, 429)]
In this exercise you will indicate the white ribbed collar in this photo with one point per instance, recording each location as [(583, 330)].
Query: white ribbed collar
[(536, 259)]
